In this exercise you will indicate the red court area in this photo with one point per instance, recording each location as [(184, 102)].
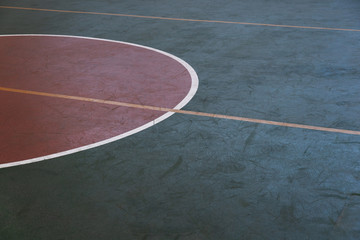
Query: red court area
[(35, 128)]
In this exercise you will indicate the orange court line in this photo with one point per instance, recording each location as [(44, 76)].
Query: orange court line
[(181, 19), (123, 104)]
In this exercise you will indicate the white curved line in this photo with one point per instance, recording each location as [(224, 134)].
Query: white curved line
[(189, 96)]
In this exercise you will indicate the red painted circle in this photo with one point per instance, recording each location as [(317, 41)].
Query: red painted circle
[(35, 126)]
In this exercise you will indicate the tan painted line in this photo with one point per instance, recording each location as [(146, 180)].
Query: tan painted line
[(211, 115), (182, 19)]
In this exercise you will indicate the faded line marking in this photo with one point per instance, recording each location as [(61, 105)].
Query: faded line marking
[(182, 19), (154, 108)]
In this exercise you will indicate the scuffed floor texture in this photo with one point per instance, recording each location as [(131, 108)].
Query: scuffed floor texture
[(201, 178)]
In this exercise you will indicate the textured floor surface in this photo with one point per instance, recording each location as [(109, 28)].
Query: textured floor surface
[(192, 177)]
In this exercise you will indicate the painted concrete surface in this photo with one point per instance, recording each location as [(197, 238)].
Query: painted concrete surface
[(61, 94), (193, 177)]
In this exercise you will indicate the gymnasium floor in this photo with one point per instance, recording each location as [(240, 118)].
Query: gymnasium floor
[(215, 176)]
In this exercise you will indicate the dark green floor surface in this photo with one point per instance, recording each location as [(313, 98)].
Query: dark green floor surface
[(192, 177)]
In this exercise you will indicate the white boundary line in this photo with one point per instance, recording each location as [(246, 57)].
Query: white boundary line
[(189, 96)]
